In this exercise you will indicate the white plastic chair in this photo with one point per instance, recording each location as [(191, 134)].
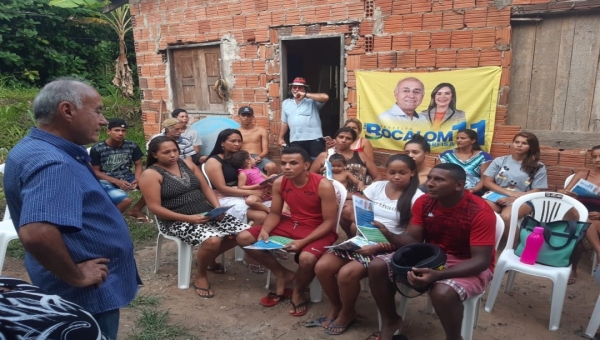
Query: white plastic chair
[(239, 252), (471, 305), (316, 291), (184, 258), (549, 206), (7, 231), (594, 323)]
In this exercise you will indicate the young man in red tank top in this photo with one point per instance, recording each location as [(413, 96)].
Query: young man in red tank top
[(313, 208), (462, 225)]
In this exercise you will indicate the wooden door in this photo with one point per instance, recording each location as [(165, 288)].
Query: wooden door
[(194, 73), (555, 79)]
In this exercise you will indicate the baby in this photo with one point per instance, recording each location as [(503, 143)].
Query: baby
[(249, 178), (338, 165)]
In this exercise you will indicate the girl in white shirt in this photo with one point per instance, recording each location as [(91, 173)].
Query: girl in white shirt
[(392, 203)]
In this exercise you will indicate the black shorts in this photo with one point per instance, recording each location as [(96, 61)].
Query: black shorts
[(313, 147)]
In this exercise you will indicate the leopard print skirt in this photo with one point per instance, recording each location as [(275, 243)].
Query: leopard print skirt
[(195, 234)]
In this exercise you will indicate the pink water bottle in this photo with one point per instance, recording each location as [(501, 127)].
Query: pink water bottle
[(533, 244)]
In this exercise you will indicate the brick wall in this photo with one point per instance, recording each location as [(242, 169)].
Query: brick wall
[(383, 35)]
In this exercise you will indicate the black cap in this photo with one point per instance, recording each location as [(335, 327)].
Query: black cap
[(245, 110), (116, 122)]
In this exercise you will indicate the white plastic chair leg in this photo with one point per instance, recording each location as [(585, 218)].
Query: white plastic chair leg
[(594, 262), (594, 323), (364, 285), (559, 290), (429, 309), (159, 241), (495, 287), (268, 279), (184, 270), (239, 254), (510, 281), (470, 316), (316, 292), (3, 245)]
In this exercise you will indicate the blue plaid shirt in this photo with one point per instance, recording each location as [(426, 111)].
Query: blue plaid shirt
[(48, 179)]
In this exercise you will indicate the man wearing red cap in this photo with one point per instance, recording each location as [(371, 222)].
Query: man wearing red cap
[(301, 115)]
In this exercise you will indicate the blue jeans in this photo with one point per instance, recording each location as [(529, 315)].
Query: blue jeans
[(109, 323)]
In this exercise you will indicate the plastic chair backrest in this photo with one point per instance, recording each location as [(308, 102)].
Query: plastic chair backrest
[(6, 212), (340, 193), (568, 180), (548, 207), (205, 175), (499, 229)]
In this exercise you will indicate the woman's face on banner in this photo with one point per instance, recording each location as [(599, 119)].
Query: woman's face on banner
[(443, 96)]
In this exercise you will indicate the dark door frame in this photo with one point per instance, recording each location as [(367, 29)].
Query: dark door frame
[(342, 74)]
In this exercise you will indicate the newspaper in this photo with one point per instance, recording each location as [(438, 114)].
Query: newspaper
[(352, 244), (275, 242), (363, 216), (493, 196), (585, 188)]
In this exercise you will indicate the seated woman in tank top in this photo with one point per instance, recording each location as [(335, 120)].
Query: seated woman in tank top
[(224, 177), (177, 193), (357, 163), (593, 206)]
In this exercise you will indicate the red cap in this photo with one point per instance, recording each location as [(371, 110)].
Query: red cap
[(299, 81)]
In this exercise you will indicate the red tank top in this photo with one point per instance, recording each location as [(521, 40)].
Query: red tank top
[(305, 203)]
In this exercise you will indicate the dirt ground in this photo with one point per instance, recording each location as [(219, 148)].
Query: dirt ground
[(234, 312)]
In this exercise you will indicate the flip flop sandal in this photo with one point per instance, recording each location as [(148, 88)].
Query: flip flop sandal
[(210, 295), (334, 329), (141, 219), (296, 306), (273, 298), (318, 322), (218, 269)]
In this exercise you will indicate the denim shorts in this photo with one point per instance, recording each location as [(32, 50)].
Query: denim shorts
[(114, 192)]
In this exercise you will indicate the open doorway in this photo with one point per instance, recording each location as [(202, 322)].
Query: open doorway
[(319, 61)]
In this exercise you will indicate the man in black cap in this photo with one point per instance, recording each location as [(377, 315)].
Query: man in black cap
[(462, 225), (255, 140), (112, 161)]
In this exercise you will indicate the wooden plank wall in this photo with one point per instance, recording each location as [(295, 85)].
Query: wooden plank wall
[(554, 77)]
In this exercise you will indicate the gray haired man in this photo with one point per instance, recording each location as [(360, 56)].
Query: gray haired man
[(77, 243)]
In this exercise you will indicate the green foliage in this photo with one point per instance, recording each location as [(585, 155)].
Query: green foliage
[(144, 301), (77, 3), (155, 325), (41, 42)]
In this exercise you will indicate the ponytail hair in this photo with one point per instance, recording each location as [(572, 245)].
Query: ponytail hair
[(404, 204), (419, 140)]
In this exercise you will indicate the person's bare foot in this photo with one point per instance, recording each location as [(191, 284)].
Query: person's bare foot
[(390, 327), (572, 278), (202, 288), (138, 215), (332, 314), (284, 280), (343, 320), (299, 304)]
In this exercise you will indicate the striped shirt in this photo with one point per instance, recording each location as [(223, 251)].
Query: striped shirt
[(186, 148), (47, 179)]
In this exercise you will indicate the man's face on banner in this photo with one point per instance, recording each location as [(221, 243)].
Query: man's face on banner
[(409, 95)]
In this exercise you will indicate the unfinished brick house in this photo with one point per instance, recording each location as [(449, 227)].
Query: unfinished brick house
[(548, 51)]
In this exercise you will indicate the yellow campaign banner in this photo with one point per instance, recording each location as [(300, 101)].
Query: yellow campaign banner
[(393, 107)]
